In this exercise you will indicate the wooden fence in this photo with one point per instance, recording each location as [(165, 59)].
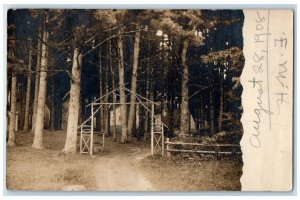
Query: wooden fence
[(217, 148)]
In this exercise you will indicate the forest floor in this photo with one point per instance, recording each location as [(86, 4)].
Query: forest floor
[(47, 169), (120, 167)]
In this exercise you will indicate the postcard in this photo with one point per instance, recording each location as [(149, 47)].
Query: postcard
[(153, 100)]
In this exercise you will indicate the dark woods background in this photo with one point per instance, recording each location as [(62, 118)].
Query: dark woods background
[(214, 59)]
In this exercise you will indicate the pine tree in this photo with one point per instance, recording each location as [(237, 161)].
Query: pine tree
[(28, 88), (13, 92), (39, 122), (132, 109)]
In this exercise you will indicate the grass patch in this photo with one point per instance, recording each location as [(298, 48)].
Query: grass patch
[(193, 175), (44, 170), (73, 176)]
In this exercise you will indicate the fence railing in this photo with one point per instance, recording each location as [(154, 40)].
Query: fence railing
[(217, 148)]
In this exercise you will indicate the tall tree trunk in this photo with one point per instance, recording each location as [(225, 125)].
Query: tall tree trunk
[(165, 85), (122, 88), (106, 86), (148, 76), (134, 83), (171, 86), (28, 89), (39, 122), (162, 77), (36, 81), (13, 110), (146, 129), (171, 117), (52, 118), (101, 113), (220, 120), (106, 118), (141, 124), (114, 119), (151, 94), (71, 139), (21, 110), (184, 116)]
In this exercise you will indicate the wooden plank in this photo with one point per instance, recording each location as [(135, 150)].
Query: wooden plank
[(206, 145), (204, 152), (85, 125)]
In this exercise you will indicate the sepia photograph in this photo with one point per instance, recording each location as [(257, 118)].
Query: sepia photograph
[(134, 99)]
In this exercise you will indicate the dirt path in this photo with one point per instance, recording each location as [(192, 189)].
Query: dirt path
[(118, 170)]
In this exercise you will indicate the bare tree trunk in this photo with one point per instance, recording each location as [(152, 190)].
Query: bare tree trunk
[(71, 139), (106, 106), (28, 89), (146, 113), (220, 120), (114, 119), (13, 110), (165, 84), (122, 88), (162, 78), (36, 81), (39, 122), (146, 130), (21, 109), (148, 76), (184, 116), (151, 95), (52, 118), (172, 103), (101, 113), (106, 118), (140, 128), (134, 83)]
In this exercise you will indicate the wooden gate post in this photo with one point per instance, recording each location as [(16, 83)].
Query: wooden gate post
[(168, 152)]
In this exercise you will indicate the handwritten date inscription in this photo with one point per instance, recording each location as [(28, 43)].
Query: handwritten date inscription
[(268, 103), (260, 78)]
